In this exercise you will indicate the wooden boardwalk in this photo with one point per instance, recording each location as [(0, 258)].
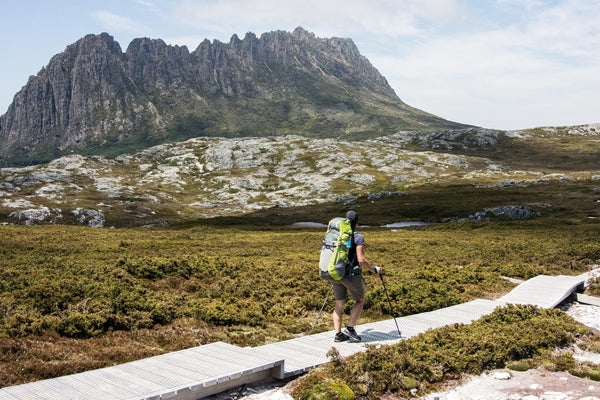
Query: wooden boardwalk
[(545, 291), (205, 370)]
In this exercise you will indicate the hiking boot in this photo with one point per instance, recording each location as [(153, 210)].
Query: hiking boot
[(341, 337), (352, 333)]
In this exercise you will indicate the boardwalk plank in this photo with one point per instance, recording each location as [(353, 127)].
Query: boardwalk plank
[(242, 358), (27, 392), (544, 291), (96, 385), (161, 377), (227, 366), (7, 396)]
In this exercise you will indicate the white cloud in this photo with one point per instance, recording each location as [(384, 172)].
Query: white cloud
[(116, 23), (570, 29), (540, 68), (331, 18), (149, 5)]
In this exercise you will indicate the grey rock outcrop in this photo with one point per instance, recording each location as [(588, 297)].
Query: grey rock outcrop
[(507, 212), (91, 218), (31, 215)]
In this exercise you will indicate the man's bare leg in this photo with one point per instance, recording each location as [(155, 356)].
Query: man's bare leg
[(338, 314), (355, 312)]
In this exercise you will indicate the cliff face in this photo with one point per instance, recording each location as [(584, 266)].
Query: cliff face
[(96, 99), (80, 95)]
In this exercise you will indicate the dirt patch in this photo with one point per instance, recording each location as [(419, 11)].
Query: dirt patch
[(528, 385)]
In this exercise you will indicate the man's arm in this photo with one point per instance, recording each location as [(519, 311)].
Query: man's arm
[(363, 262)]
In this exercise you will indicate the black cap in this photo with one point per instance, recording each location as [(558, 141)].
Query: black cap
[(352, 216)]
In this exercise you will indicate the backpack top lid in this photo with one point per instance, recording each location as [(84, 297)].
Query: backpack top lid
[(333, 231), (337, 228)]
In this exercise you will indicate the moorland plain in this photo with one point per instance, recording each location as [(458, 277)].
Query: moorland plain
[(75, 298)]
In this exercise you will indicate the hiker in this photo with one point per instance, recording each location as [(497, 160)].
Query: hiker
[(352, 282)]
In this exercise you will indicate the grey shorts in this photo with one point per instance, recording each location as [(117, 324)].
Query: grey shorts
[(353, 283)]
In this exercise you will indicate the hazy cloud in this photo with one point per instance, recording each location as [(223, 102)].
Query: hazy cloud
[(338, 17), (539, 67), (149, 5), (112, 22)]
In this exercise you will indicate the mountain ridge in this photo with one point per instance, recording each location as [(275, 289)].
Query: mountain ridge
[(93, 98)]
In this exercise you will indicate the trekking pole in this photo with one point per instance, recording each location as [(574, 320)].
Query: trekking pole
[(390, 303), (325, 302)]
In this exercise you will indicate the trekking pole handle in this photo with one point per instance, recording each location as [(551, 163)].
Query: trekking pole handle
[(378, 270)]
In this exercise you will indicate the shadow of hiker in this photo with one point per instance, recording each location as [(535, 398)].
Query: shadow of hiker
[(370, 335)]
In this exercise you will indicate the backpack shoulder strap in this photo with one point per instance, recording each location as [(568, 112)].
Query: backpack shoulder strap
[(352, 250)]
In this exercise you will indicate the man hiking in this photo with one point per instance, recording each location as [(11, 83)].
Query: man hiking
[(352, 282)]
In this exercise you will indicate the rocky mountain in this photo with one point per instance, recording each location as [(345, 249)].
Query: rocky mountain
[(218, 177), (93, 98)]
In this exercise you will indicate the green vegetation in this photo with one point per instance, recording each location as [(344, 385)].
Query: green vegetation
[(66, 291), (422, 363), (570, 202), (539, 150)]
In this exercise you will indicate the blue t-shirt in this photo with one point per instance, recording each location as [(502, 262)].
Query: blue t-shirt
[(359, 239)]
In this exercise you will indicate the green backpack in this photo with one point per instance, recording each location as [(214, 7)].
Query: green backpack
[(334, 261)]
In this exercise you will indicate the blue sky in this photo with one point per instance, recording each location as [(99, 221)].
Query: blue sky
[(505, 64)]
